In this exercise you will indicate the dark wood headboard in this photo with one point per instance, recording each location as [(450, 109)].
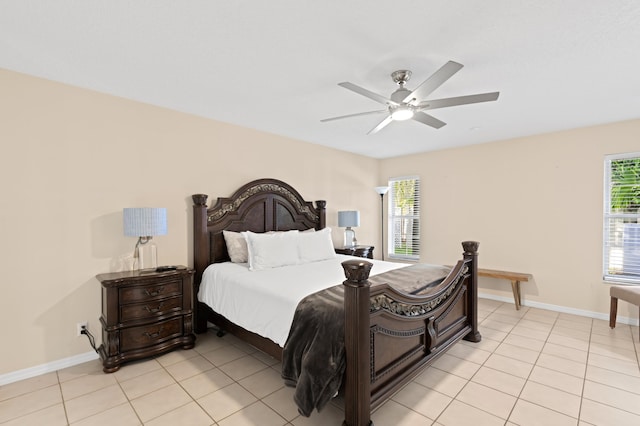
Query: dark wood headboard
[(259, 206)]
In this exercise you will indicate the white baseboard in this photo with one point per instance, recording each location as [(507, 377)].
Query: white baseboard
[(563, 309), (27, 373)]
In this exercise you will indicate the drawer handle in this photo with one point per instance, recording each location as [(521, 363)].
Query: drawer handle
[(153, 335), (154, 310), (155, 292)]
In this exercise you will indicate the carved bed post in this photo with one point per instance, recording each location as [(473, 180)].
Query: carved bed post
[(471, 252), (321, 206), (357, 385), (201, 254)]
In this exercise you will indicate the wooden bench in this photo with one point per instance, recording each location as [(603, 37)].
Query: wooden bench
[(514, 277)]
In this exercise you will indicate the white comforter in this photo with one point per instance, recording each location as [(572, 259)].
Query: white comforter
[(265, 301)]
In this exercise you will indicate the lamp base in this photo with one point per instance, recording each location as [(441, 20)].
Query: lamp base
[(147, 255), (350, 237)]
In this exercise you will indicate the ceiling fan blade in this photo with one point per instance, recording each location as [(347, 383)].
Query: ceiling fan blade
[(353, 115), (428, 120), (435, 81), (380, 126), (459, 100), (369, 94)]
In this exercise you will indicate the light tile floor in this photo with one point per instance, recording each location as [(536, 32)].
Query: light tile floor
[(532, 367)]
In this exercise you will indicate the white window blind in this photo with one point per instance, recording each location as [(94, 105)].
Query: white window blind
[(621, 253), (404, 218)]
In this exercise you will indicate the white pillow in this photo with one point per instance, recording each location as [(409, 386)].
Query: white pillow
[(315, 246), (236, 246), (272, 250)]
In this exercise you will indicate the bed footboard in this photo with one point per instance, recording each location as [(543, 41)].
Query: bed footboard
[(390, 336)]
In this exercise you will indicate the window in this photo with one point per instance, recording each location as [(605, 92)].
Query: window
[(404, 218), (622, 218)]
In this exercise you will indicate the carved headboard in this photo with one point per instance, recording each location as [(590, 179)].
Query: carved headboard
[(259, 206)]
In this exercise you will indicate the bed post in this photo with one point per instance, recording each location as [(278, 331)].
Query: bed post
[(321, 206), (357, 387), (201, 251), (471, 253)]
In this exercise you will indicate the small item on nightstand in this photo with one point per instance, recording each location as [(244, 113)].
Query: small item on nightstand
[(166, 268)]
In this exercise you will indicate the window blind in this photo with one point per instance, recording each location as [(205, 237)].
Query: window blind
[(404, 218), (621, 251)]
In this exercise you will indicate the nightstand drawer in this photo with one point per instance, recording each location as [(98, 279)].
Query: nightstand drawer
[(149, 335), (150, 308), (150, 292)]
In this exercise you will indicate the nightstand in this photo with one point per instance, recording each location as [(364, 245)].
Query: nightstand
[(145, 313), (360, 251)]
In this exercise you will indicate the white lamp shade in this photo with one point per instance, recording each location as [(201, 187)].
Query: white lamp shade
[(382, 189), (144, 221), (348, 218)]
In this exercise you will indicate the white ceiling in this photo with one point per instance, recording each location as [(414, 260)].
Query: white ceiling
[(274, 65)]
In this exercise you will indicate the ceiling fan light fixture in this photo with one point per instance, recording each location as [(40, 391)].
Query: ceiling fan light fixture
[(404, 104), (402, 113)]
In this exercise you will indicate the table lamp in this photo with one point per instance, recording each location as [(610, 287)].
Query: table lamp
[(348, 219), (145, 223)]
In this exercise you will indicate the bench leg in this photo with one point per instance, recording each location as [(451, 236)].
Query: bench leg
[(614, 312), (515, 287)]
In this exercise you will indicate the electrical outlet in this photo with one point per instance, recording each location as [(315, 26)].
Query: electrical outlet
[(80, 326)]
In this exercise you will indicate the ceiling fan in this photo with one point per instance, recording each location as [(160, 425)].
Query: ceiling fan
[(404, 104)]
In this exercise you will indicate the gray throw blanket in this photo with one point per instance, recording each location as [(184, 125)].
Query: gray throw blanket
[(313, 359)]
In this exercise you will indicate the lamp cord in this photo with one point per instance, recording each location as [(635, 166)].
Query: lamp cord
[(92, 340)]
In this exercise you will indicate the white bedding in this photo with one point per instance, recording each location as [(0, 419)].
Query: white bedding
[(265, 301)]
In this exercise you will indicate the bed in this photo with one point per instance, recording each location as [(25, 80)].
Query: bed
[(389, 334)]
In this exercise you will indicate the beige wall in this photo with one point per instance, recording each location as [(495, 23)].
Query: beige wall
[(534, 204), (72, 159)]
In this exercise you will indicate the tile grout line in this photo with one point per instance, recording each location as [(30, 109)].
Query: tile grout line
[(64, 403)]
